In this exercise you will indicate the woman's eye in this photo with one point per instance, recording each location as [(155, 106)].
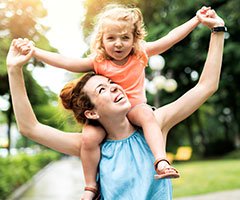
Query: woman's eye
[(101, 90)]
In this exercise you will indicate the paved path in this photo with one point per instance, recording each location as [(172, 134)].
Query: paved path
[(63, 180)]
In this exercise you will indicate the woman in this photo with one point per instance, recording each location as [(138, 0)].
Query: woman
[(126, 165)]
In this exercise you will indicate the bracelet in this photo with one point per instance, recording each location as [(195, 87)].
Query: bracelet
[(219, 29)]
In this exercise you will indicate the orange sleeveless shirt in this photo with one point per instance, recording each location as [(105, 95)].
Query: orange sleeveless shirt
[(129, 76)]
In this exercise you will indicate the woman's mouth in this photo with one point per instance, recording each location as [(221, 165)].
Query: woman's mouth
[(118, 98)]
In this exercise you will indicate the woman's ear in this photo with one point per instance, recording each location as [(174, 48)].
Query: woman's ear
[(91, 114)]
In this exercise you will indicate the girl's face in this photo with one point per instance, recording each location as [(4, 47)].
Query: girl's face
[(109, 98), (118, 41)]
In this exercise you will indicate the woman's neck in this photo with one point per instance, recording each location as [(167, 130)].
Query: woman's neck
[(118, 129)]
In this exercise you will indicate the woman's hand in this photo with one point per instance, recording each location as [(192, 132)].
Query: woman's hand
[(209, 18), (15, 58)]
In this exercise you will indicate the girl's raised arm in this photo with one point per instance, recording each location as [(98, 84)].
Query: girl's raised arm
[(174, 36), (27, 122), (55, 59), (60, 61)]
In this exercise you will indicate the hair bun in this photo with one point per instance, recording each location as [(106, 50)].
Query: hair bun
[(66, 95)]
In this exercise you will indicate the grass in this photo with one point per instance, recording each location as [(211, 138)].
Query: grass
[(200, 177)]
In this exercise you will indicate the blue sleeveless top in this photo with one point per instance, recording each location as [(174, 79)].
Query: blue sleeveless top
[(126, 171)]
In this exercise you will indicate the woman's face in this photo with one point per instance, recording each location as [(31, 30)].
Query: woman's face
[(109, 98)]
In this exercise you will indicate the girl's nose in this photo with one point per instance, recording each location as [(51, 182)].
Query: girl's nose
[(118, 43)]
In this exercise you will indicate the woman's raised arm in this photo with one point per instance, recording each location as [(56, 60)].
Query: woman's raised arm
[(68, 143), (175, 112)]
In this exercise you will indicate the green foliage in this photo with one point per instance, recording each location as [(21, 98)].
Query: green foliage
[(57, 117), (16, 170), (24, 14), (20, 18), (233, 155), (202, 177), (3, 53), (93, 7)]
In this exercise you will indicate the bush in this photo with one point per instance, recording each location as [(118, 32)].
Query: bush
[(16, 170), (233, 155), (218, 148)]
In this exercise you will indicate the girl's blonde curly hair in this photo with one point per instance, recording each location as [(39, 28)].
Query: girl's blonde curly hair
[(117, 13)]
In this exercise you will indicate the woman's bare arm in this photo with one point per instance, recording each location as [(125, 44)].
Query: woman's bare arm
[(175, 112), (68, 143)]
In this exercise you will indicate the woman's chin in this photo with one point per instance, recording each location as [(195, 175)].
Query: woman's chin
[(128, 106)]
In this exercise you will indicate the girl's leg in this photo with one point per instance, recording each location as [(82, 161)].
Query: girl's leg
[(90, 155), (143, 116)]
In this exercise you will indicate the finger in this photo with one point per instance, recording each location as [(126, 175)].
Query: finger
[(208, 8), (199, 16), (203, 11), (24, 59), (204, 8), (211, 13), (32, 43), (204, 19), (26, 40), (25, 50), (29, 54), (13, 42), (21, 44), (20, 40), (17, 42)]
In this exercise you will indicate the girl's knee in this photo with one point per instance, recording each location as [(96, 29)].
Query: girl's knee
[(141, 114), (147, 118)]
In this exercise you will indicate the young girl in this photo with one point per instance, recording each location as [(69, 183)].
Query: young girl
[(119, 52)]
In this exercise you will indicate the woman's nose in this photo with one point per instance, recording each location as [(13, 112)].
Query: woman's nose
[(113, 88)]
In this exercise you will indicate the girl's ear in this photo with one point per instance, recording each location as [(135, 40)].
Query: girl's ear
[(91, 114)]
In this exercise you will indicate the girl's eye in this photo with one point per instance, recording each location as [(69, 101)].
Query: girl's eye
[(125, 37)]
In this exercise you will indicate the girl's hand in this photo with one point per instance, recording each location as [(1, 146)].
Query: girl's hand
[(203, 10), (210, 18), (15, 58), (24, 45)]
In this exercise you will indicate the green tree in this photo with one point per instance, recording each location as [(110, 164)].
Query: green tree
[(19, 18)]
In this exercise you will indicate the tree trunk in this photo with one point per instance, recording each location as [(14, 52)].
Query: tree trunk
[(189, 131), (9, 122), (201, 130)]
